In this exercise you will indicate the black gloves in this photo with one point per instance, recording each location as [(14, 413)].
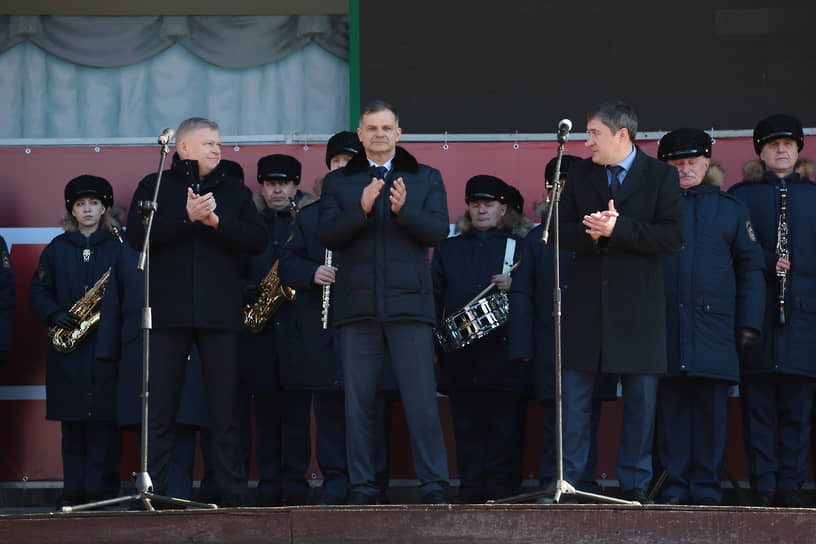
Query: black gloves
[(747, 339), (64, 319), (251, 292)]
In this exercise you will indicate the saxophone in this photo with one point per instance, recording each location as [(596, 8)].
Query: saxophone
[(67, 340), (782, 249), (273, 293)]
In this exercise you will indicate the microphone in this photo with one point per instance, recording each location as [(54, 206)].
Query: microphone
[(166, 135), (564, 126)]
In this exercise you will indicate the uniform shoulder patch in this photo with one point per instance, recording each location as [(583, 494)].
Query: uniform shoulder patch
[(41, 272), (750, 230), (6, 260)]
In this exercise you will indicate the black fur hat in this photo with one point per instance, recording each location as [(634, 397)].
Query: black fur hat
[(278, 168), (233, 169), (87, 185), (566, 162), (684, 143), (487, 188), (514, 199), (776, 127), (343, 142)]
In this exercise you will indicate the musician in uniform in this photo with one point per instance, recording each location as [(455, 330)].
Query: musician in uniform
[(120, 341), (80, 391), (531, 337), (383, 296), (776, 389), (314, 347), (488, 392), (619, 213), (7, 301), (205, 221), (271, 366), (715, 296)]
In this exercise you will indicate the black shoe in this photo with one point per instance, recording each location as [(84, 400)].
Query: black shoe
[(706, 501), (637, 495), (789, 499), (327, 500), (762, 498), (71, 498), (434, 497), (670, 500), (230, 501), (297, 499), (361, 499)]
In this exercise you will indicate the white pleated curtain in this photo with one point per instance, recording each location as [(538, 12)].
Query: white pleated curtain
[(80, 77)]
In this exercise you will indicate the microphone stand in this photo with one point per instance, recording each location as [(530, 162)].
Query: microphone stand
[(560, 487), (142, 481)]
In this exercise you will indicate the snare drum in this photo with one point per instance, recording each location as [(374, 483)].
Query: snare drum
[(473, 321)]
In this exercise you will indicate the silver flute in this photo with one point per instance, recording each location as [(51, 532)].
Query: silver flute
[(326, 292)]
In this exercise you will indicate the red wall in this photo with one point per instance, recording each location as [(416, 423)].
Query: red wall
[(31, 195)]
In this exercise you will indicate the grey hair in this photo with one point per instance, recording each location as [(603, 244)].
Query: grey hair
[(616, 115), (191, 124)]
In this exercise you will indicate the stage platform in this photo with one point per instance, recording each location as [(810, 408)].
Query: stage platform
[(422, 523)]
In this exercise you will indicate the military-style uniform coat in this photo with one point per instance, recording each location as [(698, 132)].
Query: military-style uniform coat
[(266, 362), (195, 269), (786, 349), (385, 275), (615, 313), (7, 288), (713, 285), (78, 386), (462, 267), (312, 351), (119, 339)]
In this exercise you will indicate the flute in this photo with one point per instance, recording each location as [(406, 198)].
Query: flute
[(326, 292)]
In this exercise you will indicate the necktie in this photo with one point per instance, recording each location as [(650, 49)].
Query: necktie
[(382, 171), (614, 183)]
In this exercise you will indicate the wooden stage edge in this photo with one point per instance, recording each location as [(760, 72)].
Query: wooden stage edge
[(422, 523)]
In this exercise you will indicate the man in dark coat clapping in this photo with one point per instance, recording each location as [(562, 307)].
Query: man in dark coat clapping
[(383, 211), (620, 212)]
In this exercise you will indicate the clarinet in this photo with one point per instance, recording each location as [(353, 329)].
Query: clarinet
[(326, 293), (782, 243)]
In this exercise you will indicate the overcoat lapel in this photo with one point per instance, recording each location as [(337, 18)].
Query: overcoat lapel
[(634, 179)]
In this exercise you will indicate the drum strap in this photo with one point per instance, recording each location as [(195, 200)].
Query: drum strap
[(509, 254)]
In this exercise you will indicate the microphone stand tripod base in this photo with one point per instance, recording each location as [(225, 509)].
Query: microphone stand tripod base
[(558, 489), (144, 488)]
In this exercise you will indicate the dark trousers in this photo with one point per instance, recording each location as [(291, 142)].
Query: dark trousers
[(410, 345), (547, 466), (634, 462), (168, 359), (91, 454), (282, 446), (776, 425), (691, 425), (489, 431), (182, 459), (330, 413)]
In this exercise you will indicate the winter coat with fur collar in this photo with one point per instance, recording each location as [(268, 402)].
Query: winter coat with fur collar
[(385, 275)]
